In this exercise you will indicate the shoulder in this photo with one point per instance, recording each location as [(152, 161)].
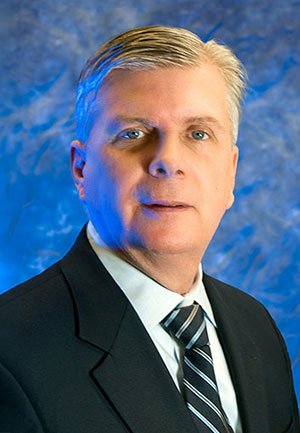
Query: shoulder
[(26, 308), (37, 307), (251, 316), (234, 305), (236, 298), (39, 282), (46, 304), (48, 284), (33, 298)]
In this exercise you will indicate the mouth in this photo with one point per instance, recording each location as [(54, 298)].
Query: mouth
[(166, 206)]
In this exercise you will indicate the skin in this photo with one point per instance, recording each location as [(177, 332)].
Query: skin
[(158, 170)]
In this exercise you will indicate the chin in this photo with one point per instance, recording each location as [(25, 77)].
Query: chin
[(162, 244)]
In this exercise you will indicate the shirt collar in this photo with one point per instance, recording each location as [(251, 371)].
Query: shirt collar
[(152, 301)]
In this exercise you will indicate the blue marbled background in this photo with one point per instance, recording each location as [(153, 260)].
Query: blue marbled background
[(44, 44)]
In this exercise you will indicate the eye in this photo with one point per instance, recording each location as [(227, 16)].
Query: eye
[(132, 134), (199, 135)]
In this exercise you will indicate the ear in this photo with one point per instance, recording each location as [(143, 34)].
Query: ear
[(233, 168), (78, 159)]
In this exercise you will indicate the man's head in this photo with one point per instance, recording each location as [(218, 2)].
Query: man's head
[(150, 48), (156, 166)]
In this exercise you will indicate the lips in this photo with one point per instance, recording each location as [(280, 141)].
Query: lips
[(160, 205)]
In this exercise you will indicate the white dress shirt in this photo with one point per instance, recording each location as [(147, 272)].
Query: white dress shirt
[(153, 303)]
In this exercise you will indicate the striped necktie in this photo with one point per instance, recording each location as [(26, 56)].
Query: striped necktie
[(200, 389)]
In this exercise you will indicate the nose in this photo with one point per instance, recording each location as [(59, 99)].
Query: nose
[(167, 160)]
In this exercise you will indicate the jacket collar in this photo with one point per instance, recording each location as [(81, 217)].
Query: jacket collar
[(95, 295)]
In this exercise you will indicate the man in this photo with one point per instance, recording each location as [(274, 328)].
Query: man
[(91, 345)]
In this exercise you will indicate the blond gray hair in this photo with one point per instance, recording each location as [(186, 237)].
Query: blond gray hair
[(148, 48)]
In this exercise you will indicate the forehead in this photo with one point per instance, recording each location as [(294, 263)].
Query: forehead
[(171, 94)]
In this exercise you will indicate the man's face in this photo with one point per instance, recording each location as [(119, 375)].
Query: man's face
[(158, 168)]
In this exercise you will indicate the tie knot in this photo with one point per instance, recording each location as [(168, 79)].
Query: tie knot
[(188, 325)]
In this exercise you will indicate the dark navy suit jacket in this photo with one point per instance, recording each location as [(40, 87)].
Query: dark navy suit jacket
[(75, 358)]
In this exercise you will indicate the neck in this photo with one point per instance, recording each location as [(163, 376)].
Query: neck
[(176, 272)]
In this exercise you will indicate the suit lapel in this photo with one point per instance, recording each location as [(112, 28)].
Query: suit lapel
[(130, 372), (244, 361), (138, 384)]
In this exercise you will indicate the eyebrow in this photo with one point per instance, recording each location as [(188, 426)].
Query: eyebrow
[(205, 119), (115, 122), (125, 119), (202, 119)]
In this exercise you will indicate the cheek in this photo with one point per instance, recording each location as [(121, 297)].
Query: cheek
[(110, 185), (218, 177), (99, 182)]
